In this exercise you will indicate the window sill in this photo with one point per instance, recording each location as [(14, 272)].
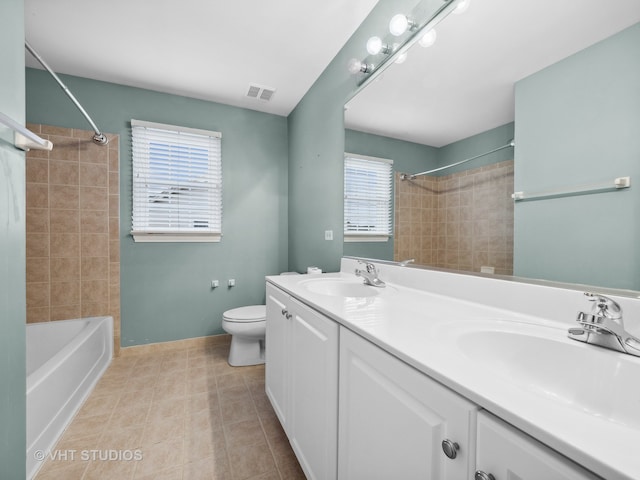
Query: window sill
[(139, 237), (365, 238)]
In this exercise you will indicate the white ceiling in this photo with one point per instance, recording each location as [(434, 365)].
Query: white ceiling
[(206, 49), (463, 84)]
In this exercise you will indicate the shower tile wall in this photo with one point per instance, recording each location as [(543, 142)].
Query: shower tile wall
[(73, 246), (461, 221)]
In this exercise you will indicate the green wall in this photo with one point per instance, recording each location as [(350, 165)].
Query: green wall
[(317, 146), (12, 246), (578, 122), (165, 287)]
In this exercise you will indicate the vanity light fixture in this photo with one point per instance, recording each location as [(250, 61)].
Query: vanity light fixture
[(428, 38), (375, 46), (400, 23)]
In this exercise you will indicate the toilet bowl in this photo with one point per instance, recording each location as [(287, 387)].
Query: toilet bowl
[(247, 327)]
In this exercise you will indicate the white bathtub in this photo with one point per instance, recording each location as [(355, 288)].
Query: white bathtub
[(65, 359)]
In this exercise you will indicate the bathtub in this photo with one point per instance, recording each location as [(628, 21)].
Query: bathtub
[(65, 359)]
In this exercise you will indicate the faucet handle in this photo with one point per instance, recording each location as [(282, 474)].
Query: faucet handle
[(604, 306)]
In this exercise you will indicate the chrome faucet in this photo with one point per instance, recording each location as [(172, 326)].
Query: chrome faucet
[(604, 326), (369, 274)]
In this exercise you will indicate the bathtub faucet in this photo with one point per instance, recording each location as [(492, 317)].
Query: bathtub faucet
[(370, 275), (604, 326)]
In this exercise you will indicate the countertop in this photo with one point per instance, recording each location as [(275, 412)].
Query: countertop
[(435, 334)]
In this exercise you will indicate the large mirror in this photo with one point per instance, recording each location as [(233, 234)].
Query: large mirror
[(558, 77)]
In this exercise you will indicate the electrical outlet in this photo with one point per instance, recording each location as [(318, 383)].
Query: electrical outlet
[(328, 234)]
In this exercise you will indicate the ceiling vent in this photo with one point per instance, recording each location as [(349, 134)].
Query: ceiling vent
[(260, 92)]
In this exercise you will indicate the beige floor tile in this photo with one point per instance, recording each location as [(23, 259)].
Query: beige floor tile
[(210, 420), (124, 416), (162, 408), (163, 430), (250, 461), (239, 393), (159, 457), (238, 412), (229, 380), (73, 471), (172, 473), (243, 434), (109, 469), (125, 438), (171, 406)]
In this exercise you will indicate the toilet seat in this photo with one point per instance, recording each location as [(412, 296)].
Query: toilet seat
[(249, 314)]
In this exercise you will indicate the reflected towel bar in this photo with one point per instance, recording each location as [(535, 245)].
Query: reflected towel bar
[(23, 138), (407, 176), (609, 186)]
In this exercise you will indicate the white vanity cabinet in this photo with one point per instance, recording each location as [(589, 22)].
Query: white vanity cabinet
[(302, 380), (505, 453), (393, 419)]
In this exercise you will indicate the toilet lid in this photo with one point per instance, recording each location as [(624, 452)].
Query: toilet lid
[(252, 313)]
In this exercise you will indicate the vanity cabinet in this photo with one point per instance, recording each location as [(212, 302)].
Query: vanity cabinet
[(302, 380), (393, 419), (507, 453)]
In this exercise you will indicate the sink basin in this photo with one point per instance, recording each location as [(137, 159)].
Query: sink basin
[(542, 360), (338, 287)]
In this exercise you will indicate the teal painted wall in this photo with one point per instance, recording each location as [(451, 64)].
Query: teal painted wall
[(578, 122), (12, 246), (317, 146), (165, 287)]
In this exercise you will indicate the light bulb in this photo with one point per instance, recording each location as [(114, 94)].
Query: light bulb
[(399, 24), (462, 7), (356, 66), (428, 38), (401, 58), (374, 45)]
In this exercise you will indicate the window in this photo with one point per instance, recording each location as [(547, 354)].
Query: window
[(368, 188), (177, 184)]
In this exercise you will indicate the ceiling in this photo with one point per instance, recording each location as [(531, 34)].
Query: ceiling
[(207, 49), (464, 84)]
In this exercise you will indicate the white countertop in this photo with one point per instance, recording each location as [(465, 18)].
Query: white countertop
[(441, 335)]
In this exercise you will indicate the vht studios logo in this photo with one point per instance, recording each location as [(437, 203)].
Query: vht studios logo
[(70, 455)]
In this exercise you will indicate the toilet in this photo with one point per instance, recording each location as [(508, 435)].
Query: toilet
[(247, 327)]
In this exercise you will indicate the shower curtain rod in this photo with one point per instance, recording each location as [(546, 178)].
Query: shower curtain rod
[(99, 137), (406, 176)]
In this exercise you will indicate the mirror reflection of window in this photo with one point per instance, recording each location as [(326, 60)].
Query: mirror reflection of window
[(368, 190)]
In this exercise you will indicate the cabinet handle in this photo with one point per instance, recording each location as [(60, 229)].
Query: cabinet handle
[(480, 475), (450, 449)]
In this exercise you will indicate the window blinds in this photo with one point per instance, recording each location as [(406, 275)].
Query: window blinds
[(177, 180), (368, 186)]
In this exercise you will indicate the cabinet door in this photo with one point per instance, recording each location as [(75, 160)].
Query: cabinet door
[(509, 454), (277, 352), (393, 419), (314, 392)]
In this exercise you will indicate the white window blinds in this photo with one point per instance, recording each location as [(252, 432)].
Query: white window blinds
[(177, 182), (368, 187)]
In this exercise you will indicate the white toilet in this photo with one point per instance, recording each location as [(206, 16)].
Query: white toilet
[(247, 327)]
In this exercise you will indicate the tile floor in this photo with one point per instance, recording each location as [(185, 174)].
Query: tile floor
[(187, 413)]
